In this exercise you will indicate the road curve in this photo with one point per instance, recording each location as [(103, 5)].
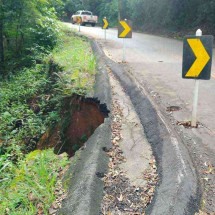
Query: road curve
[(153, 66), (177, 192)]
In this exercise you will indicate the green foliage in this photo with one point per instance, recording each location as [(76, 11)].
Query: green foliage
[(163, 14), (173, 14), (70, 7), (27, 25), (92, 5), (109, 10), (31, 102), (31, 99), (23, 105), (78, 62), (45, 33), (33, 184)]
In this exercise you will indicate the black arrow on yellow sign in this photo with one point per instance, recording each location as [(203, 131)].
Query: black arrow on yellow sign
[(105, 24), (78, 20), (197, 57), (124, 29)]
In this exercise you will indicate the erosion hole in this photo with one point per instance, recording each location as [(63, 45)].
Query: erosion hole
[(80, 118)]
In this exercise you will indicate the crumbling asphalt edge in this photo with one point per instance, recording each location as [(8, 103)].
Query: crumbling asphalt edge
[(84, 177), (178, 192)]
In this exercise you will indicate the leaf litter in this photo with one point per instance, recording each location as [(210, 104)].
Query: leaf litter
[(120, 196)]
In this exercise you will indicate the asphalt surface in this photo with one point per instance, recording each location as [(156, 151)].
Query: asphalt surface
[(152, 79), (177, 192), (158, 61)]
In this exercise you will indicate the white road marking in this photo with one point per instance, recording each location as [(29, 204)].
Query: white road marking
[(161, 117), (180, 175), (178, 152)]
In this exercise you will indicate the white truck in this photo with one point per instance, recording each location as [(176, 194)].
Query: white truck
[(87, 17)]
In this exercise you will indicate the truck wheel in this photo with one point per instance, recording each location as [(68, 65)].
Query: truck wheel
[(93, 24), (83, 24)]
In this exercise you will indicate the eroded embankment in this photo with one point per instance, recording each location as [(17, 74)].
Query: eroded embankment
[(80, 118), (85, 187)]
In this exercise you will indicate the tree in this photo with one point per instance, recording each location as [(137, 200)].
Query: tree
[(27, 28), (70, 7), (1, 38)]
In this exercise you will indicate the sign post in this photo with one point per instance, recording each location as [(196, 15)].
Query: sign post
[(124, 31), (123, 56), (197, 60), (79, 23), (195, 94), (105, 25), (195, 104)]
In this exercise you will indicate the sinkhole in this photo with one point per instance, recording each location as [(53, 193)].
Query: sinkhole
[(80, 118)]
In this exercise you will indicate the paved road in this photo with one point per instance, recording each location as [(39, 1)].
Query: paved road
[(158, 62)]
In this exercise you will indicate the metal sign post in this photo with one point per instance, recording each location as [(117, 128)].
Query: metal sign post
[(197, 61), (196, 93), (79, 23), (195, 104), (105, 26), (124, 31), (123, 57)]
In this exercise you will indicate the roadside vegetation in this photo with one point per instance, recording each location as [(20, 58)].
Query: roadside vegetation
[(29, 185), (158, 15), (75, 56), (42, 63)]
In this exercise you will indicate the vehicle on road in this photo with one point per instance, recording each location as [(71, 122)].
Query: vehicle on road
[(86, 17)]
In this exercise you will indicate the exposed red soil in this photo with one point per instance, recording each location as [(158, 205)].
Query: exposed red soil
[(84, 117), (84, 120)]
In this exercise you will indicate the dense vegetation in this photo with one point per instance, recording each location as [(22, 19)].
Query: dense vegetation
[(28, 27), (29, 187), (39, 67), (31, 104), (173, 15), (41, 63)]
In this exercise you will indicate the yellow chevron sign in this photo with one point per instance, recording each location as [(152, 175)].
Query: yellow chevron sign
[(202, 57), (197, 57), (106, 24), (124, 29), (78, 19)]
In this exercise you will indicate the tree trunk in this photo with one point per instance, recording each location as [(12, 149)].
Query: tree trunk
[(119, 9), (1, 40)]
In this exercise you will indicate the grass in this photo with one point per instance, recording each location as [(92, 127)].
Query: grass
[(78, 62), (27, 182), (14, 107), (33, 184)]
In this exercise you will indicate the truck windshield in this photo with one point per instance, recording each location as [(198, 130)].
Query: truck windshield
[(86, 13)]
